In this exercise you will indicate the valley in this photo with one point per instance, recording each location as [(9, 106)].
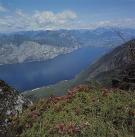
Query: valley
[(103, 70), (28, 76), (34, 59)]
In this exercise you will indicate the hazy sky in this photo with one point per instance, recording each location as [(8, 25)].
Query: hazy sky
[(18, 15)]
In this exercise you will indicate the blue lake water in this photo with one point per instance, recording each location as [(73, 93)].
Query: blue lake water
[(26, 76)]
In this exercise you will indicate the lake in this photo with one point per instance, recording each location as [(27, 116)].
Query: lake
[(27, 76)]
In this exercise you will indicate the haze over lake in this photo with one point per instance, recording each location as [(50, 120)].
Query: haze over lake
[(27, 76)]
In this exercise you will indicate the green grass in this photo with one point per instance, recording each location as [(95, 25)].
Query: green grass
[(85, 112), (58, 89)]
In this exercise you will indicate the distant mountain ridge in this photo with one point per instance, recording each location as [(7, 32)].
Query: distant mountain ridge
[(28, 46)]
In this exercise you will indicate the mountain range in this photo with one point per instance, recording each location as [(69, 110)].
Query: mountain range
[(19, 47)]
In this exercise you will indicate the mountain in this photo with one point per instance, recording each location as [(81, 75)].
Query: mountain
[(28, 46), (11, 103), (114, 60), (114, 65), (103, 71), (34, 46)]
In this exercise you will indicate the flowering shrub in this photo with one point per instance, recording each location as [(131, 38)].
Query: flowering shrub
[(84, 111)]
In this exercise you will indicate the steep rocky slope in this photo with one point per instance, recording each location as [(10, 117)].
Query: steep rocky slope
[(115, 59), (109, 66), (11, 103)]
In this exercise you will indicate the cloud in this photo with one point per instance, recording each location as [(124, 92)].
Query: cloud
[(52, 20), (43, 20), (121, 23), (2, 9), (38, 20), (126, 22), (51, 17)]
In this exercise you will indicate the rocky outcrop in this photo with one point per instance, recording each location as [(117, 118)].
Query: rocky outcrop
[(11, 103)]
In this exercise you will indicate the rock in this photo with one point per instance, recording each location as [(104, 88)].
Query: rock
[(11, 103)]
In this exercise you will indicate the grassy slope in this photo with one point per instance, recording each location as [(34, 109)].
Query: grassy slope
[(83, 112), (57, 89)]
